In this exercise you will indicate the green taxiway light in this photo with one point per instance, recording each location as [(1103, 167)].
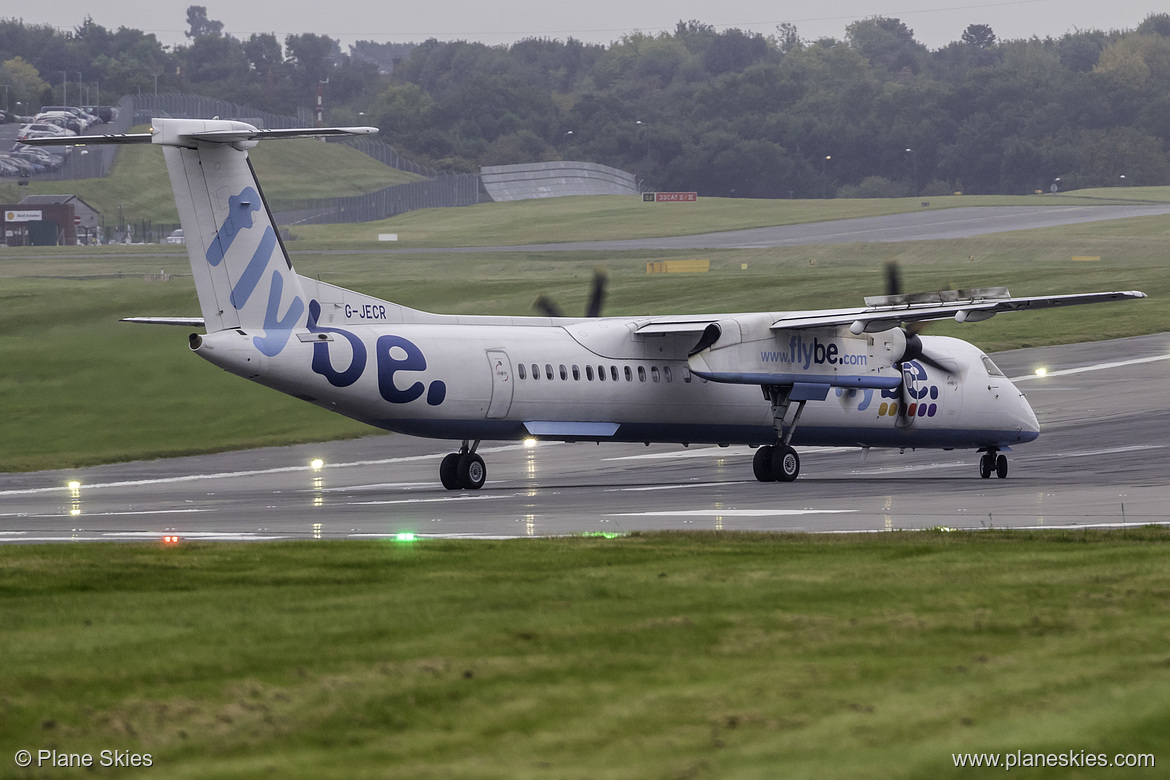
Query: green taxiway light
[(406, 536)]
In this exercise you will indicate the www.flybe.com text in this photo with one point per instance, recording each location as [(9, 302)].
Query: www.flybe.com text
[(806, 354)]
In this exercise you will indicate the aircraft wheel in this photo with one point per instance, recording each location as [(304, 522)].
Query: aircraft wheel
[(472, 471), (985, 465), (449, 471), (762, 464), (785, 463), (1001, 466)]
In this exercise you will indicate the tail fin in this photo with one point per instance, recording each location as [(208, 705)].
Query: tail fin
[(243, 275), (242, 271)]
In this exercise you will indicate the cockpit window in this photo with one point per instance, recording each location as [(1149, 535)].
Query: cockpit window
[(992, 368)]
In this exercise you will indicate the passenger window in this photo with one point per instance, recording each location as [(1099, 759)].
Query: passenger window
[(589, 373), (535, 371), (548, 370), (576, 374), (613, 373), (641, 373), (601, 373), (654, 374), (667, 373), (629, 374), (564, 373), (520, 370), (686, 375)]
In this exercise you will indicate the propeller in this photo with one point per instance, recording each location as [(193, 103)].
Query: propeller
[(914, 349), (549, 307)]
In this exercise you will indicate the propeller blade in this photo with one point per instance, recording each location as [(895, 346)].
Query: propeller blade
[(545, 305), (904, 420), (597, 293), (928, 360), (893, 279)]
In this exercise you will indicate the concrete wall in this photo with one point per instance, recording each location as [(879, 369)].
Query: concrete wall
[(555, 180)]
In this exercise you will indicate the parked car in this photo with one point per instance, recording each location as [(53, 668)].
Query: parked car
[(23, 166), (41, 130), (62, 119), (176, 237)]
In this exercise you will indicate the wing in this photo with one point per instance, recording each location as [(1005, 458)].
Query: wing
[(889, 311)]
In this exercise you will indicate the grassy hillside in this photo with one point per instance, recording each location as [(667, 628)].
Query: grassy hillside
[(295, 168)]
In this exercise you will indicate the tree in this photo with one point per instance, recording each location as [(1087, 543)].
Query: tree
[(199, 24), (978, 35), (886, 43), (25, 82)]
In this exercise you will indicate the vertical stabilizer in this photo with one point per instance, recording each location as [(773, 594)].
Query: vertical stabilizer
[(242, 272)]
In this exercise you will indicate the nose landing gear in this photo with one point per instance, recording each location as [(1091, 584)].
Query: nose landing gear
[(993, 460), (463, 470)]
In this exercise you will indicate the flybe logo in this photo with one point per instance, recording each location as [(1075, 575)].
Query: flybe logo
[(923, 396), (807, 354), (393, 354), (277, 326)]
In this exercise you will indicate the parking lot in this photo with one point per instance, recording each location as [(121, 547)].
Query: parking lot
[(80, 164)]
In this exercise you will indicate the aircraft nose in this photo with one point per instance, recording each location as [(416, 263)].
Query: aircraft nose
[(1029, 425)]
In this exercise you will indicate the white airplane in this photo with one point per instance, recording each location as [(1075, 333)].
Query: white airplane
[(844, 377)]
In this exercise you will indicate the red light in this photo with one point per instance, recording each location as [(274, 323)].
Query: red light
[(169, 539)]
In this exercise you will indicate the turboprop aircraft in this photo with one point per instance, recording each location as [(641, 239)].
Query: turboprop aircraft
[(847, 377)]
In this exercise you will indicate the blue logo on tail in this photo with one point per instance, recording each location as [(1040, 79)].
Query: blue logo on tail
[(277, 328)]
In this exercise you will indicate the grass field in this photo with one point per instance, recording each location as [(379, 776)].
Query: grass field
[(652, 656), (138, 189), (81, 388)]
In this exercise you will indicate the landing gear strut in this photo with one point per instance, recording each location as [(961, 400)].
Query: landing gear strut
[(779, 462), (993, 460), (463, 470)]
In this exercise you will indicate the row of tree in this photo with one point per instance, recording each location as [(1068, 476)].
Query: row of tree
[(728, 113)]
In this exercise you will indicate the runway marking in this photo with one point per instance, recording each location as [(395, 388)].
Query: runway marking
[(487, 537), (674, 487), (737, 513), (211, 536), (1094, 367), (923, 467), (428, 500), (1092, 453), (723, 452), (255, 472)]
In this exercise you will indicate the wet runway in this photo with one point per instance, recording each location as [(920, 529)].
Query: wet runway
[(1100, 461)]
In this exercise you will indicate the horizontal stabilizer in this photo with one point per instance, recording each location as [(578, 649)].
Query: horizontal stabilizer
[(187, 322), (186, 132)]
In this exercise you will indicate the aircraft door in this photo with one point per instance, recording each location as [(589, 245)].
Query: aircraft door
[(502, 383)]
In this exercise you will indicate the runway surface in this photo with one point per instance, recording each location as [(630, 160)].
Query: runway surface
[(1100, 461), (927, 225)]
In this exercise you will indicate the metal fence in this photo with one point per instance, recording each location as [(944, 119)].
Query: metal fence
[(457, 189)]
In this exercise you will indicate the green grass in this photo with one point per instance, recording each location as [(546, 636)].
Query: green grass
[(138, 188), (553, 220), (81, 388), (653, 656)]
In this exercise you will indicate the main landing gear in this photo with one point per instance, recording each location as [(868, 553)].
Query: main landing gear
[(779, 462), (992, 460), (463, 470)]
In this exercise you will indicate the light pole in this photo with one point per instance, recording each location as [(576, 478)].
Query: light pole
[(914, 155), (825, 177)]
